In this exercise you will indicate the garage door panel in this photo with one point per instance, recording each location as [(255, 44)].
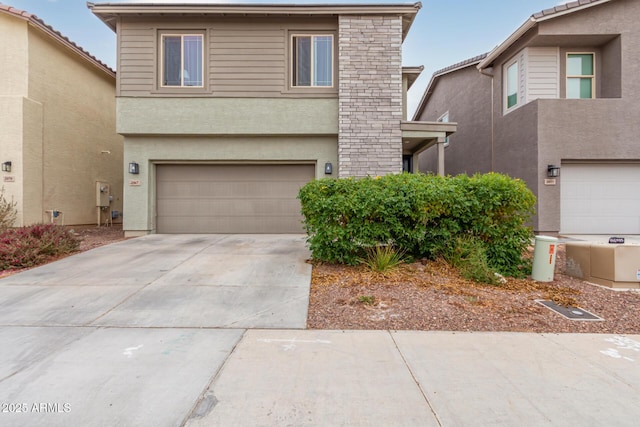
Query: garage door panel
[(236, 190), (230, 198), (236, 207), (600, 198), (229, 173), (191, 225)]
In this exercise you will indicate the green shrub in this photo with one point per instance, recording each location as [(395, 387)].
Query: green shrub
[(33, 245), (382, 258), (469, 255), (420, 215), (8, 211)]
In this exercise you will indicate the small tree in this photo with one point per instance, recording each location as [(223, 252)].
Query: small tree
[(8, 211)]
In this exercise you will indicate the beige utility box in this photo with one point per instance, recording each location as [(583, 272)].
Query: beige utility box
[(103, 191), (615, 266)]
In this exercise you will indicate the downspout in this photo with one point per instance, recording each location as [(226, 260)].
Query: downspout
[(489, 72)]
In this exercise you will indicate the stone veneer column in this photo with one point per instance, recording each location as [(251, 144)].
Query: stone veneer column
[(370, 95)]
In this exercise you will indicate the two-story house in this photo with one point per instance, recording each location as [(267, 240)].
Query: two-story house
[(227, 110), (555, 104), (58, 140)]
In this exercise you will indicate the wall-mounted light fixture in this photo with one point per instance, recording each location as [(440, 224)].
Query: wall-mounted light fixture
[(6, 167), (328, 168), (134, 168), (553, 171)]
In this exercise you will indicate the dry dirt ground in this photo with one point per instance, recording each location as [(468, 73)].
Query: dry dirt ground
[(429, 295)]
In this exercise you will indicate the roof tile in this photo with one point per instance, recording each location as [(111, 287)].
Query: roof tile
[(55, 33)]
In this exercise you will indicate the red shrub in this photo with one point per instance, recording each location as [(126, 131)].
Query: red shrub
[(33, 245)]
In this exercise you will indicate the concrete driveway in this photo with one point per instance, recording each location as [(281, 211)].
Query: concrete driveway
[(206, 281)]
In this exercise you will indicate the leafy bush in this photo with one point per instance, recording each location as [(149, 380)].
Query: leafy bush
[(33, 245), (8, 211), (420, 215), (382, 258), (469, 255)]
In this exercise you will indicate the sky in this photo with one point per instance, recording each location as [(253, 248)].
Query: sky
[(444, 32)]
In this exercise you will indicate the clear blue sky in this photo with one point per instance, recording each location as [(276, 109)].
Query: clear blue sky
[(444, 32)]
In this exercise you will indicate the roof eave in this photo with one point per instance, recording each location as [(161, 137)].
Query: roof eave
[(108, 12), (532, 22), (58, 37), (498, 50), (412, 74), (434, 79)]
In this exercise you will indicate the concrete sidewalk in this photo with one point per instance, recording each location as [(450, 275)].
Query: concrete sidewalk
[(89, 376)]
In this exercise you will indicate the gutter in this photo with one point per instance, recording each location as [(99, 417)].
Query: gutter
[(489, 73)]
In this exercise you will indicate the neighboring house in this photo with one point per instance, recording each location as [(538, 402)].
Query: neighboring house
[(57, 125), (227, 110), (462, 95), (558, 97)]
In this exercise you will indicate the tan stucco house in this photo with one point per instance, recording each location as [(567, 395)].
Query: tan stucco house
[(228, 109), (58, 144), (555, 104)]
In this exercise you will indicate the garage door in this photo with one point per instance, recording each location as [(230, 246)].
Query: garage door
[(600, 198), (230, 198)]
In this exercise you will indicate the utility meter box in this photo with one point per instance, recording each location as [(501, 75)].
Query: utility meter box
[(103, 191), (613, 265)]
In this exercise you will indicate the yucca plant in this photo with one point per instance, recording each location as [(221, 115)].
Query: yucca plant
[(382, 258)]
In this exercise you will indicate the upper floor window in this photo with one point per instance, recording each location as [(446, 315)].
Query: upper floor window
[(580, 75), (182, 63), (511, 84), (312, 60)]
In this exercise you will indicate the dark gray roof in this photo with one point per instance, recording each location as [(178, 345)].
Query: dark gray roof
[(562, 8), (461, 64)]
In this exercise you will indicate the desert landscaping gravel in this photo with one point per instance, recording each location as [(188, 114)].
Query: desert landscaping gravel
[(429, 295)]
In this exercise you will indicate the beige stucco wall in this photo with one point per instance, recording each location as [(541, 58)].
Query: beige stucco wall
[(139, 207), (57, 115), (227, 116), (13, 89), (70, 140)]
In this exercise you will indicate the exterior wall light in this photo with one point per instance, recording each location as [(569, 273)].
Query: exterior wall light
[(6, 167), (134, 168), (553, 171), (328, 168)]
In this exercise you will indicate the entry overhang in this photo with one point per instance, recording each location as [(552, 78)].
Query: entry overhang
[(418, 136)]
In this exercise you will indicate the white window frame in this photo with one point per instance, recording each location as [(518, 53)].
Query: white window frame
[(445, 119), (581, 76), (292, 56), (181, 35), (515, 61)]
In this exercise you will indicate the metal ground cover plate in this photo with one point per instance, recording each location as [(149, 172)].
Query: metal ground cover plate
[(571, 313)]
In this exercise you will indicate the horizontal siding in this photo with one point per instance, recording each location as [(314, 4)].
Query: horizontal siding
[(136, 62), (543, 72), (246, 59)]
